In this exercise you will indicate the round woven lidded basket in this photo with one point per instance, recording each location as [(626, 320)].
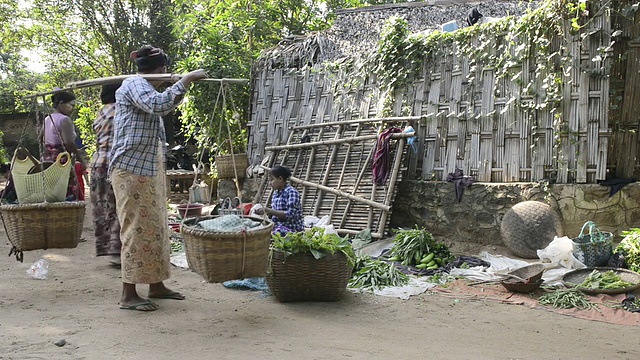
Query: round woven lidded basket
[(577, 277), (222, 256), (226, 170), (529, 226), (302, 277), (44, 225)]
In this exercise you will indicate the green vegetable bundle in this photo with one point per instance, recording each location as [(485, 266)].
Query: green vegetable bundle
[(416, 247), (313, 241), (375, 274), (604, 281), (629, 247), (566, 299)]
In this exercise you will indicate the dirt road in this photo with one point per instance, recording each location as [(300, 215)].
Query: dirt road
[(78, 303)]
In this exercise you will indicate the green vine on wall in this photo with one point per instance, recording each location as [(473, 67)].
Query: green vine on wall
[(537, 42)]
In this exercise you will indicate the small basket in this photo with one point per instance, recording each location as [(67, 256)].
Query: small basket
[(44, 225), (302, 277), (226, 207), (49, 185), (226, 170), (222, 256), (595, 248), (531, 273)]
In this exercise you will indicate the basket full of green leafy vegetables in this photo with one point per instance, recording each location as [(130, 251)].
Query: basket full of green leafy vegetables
[(309, 266)]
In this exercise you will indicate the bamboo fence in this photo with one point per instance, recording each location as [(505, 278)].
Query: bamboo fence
[(481, 127)]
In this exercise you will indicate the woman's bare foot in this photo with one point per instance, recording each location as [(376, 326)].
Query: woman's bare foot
[(132, 301), (159, 291)]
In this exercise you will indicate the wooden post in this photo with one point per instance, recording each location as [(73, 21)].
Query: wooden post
[(337, 141), (392, 184), (339, 192)]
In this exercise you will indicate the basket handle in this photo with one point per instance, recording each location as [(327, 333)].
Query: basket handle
[(62, 155), (594, 232)]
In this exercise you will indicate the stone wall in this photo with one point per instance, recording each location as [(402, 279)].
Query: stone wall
[(476, 219)]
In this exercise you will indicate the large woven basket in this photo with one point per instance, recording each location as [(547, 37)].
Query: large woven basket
[(226, 170), (44, 225), (301, 277), (222, 256)]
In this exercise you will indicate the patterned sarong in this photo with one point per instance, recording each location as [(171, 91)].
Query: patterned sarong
[(142, 211)]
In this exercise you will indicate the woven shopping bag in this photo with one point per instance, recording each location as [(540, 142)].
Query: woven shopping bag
[(593, 248)]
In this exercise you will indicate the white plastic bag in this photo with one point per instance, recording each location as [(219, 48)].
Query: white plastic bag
[(559, 253), (39, 269)]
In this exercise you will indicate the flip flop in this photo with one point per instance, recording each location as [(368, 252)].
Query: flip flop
[(172, 295), (140, 305)]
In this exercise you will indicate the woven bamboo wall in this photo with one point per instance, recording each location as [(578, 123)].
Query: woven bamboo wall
[(478, 127)]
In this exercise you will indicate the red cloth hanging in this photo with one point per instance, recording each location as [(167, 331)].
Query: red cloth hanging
[(380, 162)]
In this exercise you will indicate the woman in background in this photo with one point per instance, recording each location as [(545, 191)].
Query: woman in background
[(286, 209), (60, 136), (105, 219)]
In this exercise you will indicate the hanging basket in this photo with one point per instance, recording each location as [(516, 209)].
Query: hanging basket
[(226, 170), (222, 256), (48, 185), (43, 225), (302, 277)]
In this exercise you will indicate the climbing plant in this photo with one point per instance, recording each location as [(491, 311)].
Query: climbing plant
[(541, 39)]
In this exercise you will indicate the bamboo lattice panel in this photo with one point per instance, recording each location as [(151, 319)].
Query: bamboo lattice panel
[(345, 167)]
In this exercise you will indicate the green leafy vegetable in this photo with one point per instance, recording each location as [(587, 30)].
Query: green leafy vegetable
[(416, 247), (629, 247), (604, 281), (375, 274), (313, 241), (566, 299)]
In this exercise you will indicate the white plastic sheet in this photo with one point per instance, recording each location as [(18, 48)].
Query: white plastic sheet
[(415, 286)]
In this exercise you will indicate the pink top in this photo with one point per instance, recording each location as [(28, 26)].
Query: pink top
[(64, 127)]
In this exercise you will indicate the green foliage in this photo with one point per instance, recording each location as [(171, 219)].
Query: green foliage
[(4, 158), (370, 274), (87, 113), (629, 247), (313, 241)]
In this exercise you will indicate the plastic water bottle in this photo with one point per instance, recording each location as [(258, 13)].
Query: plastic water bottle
[(39, 269)]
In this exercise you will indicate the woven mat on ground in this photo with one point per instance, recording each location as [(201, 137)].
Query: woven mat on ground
[(495, 292)]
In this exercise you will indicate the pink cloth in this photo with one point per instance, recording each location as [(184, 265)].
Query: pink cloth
[(64, 126)]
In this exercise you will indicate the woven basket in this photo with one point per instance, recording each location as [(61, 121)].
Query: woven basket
[(221, 256), (49, 185), (594, 248), (529, 226), (44, 225), (301, 277), (224, 164)]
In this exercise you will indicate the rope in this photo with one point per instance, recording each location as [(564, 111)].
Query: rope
[(244, 247)]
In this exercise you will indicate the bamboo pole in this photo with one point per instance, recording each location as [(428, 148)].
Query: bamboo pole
[(392, 184), (356, 232), (344, 167), (312, 158), (114, 79), (359, 121), (355, 186), (337, 192), (327, 170), (337, 141)]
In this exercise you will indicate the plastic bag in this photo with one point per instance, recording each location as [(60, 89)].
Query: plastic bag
[(559, 253), (39, 269), (199, 193)]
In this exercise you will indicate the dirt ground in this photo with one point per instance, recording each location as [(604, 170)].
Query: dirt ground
[(78, 303)]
